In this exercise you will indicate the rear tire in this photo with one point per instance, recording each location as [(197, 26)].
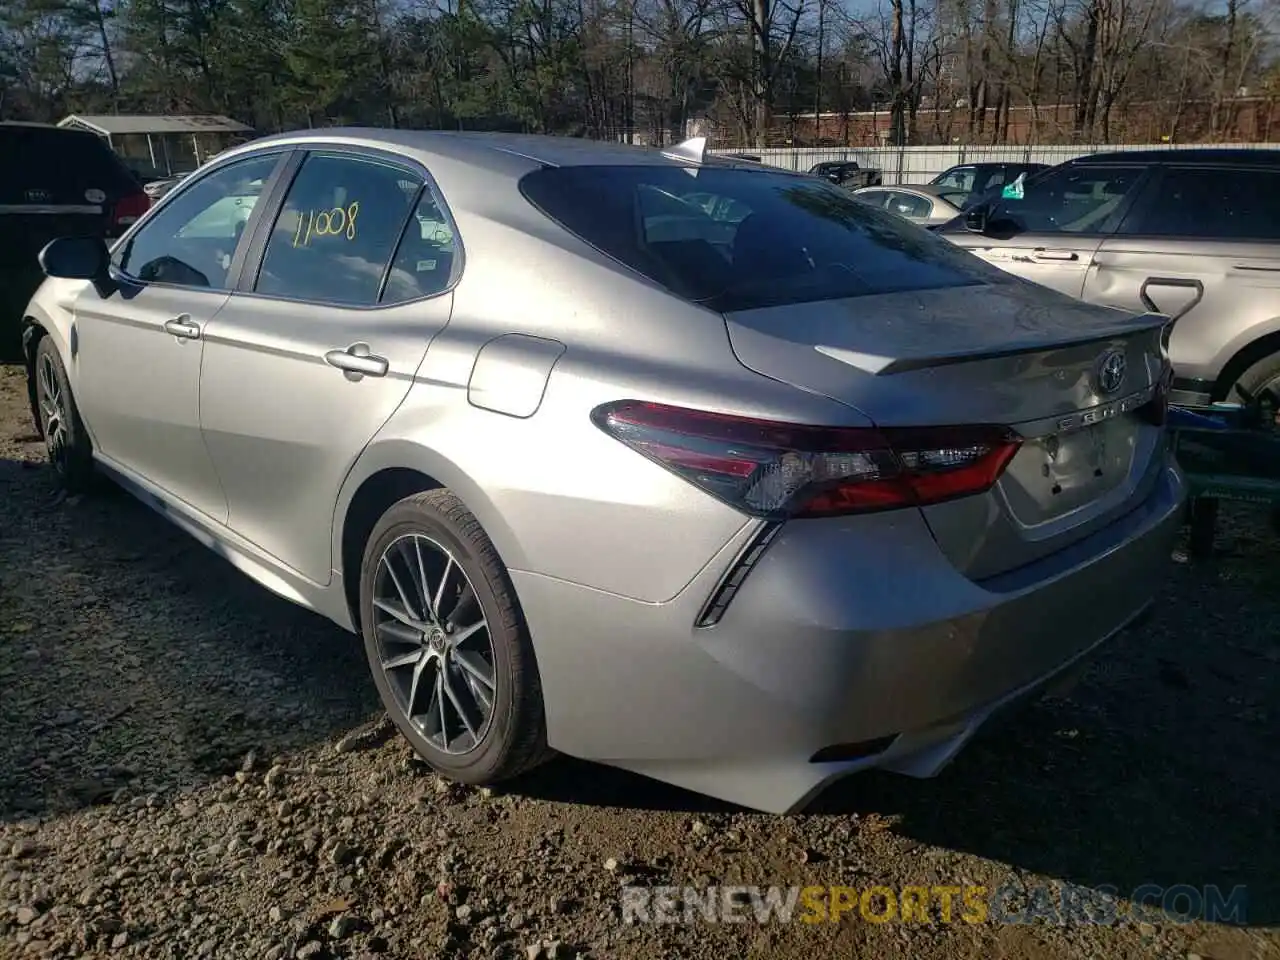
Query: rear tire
[(1258, 377), (68, 445), (432, 538)]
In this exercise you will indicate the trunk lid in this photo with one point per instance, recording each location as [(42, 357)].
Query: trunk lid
[(1011, 354)]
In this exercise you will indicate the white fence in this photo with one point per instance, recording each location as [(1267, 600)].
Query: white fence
[(921, 164)]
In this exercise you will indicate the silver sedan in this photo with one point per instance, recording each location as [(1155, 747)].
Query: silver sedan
[(691, 466), (926, 204)]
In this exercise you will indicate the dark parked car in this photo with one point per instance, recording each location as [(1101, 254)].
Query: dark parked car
[(979, 180), (54, 183), (847, 174)]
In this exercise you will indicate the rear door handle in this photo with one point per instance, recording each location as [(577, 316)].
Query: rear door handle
[(181, 326), (358, 361), (1040, 253)]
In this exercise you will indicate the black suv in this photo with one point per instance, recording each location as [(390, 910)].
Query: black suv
[(979, 180), (54, 183)]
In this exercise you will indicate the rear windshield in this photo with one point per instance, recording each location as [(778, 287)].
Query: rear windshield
[(736, 239), (59, 165)]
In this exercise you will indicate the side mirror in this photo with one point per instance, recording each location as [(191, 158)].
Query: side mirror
[(75, 258), (975, 218)]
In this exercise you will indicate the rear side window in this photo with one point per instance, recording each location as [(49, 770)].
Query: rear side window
[(1212, 205), (908, 205), (50, 165), (338, 230), (737, 239), (1069, 199)]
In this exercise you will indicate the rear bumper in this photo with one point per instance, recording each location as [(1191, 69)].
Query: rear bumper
[(844, 632)]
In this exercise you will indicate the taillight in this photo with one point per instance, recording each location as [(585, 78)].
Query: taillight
[(771, 469), (128, 209)]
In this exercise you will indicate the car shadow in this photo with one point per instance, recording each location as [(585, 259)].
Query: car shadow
[(133, 658)]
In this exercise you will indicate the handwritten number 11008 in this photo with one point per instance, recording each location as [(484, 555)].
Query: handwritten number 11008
[(337, 222)]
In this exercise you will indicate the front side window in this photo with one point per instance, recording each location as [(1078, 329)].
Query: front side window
[(1212, 205), (192, 239), (338, 229), (789, 239), (961, 178), (1074, 199)]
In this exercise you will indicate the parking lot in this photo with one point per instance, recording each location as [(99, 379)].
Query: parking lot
[(191, 767)]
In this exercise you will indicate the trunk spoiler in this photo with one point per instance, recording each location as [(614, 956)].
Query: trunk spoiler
[(883, 365)]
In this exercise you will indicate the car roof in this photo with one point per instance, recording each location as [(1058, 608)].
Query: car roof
[(490, 151), (1244, 156)]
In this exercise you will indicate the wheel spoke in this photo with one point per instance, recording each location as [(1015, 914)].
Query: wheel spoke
[(444, 579), (413, 687), (403, 660), (459, 637), (478, 680), (439, 698), (479, 671), (404, 598), (457, 704), (423, 584), (398, 632), (465, 600), (400, 613)]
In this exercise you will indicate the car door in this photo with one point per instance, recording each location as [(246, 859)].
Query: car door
[(1050, 233), (136, 351), (319, 346), (1202, 245)]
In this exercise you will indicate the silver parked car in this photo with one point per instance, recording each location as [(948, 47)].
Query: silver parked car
[(690, 466), (927, 205), (1192, 233)]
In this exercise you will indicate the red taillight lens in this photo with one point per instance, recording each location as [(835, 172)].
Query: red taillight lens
[(128, 209), (772, 469)]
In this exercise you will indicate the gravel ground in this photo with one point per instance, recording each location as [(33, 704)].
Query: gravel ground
[(192, 768)]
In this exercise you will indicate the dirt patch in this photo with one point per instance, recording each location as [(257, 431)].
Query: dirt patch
[(190, 768)]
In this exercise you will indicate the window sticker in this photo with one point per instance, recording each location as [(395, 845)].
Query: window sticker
[(337, 222)]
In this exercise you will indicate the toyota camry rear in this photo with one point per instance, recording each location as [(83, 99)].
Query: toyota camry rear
[(928, 489)]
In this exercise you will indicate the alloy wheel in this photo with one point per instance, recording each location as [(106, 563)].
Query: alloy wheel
[(53, 410), (434, 645)]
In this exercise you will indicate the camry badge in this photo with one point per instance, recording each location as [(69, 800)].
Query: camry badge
[(1111, 370)]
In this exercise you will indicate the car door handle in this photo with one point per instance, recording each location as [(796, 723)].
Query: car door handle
[(357, 359), (181, 326), (1042, 254)]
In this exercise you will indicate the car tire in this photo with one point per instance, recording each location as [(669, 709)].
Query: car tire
[(434, 532), (68, 445), (1257, 377)]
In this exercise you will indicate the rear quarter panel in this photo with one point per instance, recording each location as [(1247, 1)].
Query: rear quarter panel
[(559, 496)]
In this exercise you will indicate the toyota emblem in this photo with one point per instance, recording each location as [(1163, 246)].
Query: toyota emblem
[(1111, 370)]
